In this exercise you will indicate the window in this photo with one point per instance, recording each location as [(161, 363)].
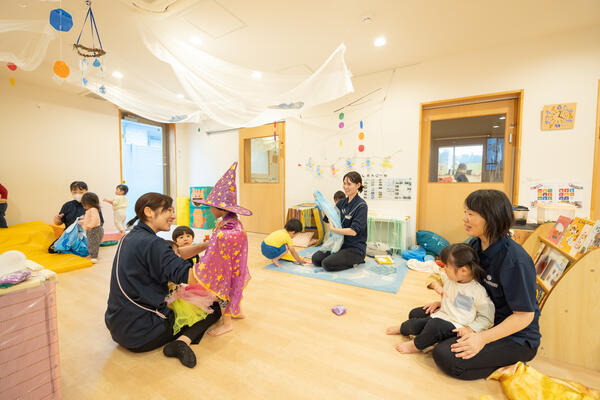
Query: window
[(263, 160), (467, 149)]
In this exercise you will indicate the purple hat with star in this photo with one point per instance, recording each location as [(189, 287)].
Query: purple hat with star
[(224, 194)]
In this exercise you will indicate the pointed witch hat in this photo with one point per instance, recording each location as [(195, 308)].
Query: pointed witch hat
[(224, 194)]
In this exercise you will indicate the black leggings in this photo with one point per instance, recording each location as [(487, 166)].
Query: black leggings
[(343, 259), (194, 332), (494, 355), (428, 331)]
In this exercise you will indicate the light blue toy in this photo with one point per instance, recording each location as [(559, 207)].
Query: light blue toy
[(333, 241), (73, 240)]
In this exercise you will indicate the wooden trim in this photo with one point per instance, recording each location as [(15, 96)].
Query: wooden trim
[(596, 168), (480, 97), (421, 171), (174, 130), (517, 145), (120, 148)]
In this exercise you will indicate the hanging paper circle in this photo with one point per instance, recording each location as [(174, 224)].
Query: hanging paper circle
[(96, 63), (361, 124), (61, 69), (61, 20), (361, 135), (341, 125), (12, 81), (341, 115), (11, 66), (361, 148)]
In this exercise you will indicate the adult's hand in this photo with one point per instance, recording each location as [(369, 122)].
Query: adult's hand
[(58, 219), (432, 307), (468, 345)]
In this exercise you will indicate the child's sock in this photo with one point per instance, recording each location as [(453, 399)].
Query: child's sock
[(182, 351)]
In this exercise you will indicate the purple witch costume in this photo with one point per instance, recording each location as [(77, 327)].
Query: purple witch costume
[(223, 269)]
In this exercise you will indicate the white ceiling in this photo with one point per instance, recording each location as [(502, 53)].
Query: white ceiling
[(297, 36)]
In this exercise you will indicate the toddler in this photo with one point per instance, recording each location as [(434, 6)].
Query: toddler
[(119, 205), (91, 223), (465, 305), (279, 243), (184, 236)]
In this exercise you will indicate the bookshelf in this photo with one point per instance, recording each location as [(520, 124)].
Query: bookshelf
[(568, 320)]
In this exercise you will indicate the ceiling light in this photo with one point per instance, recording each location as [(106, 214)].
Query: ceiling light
[(117, 74), (180, 96), (257, 74), (496, 126), (196, 40), (380, 41), (502, 117)]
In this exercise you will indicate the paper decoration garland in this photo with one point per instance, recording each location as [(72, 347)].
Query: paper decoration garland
[(361, 148), (386, 163), (61, 20), (361, 136), (96, 63), (61, 69), (11, 66), (341, 116), (318, 171), (341, 125), (334, 170), (361, 124), (12, 81), (349, 164)]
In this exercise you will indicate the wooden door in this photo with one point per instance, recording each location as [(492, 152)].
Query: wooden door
[(595, 203), (463, 148), (262, 176)]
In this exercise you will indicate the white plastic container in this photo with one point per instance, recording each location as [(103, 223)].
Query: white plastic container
[(551, 212)]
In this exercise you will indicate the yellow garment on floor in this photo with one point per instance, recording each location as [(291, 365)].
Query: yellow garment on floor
[(33, 240), (186, 314), (522, 382)]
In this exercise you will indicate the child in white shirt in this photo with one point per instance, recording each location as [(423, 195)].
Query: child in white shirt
[(465, 305), (119, 204)]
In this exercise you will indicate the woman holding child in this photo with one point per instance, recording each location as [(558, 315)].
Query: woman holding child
[(510, 283), (353, 213)]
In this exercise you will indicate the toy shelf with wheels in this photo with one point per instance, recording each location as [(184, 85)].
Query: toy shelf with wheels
[(569, 321)]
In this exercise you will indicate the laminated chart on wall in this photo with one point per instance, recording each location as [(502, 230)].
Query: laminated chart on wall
[(384, 187), (554, 193), (200, 216)]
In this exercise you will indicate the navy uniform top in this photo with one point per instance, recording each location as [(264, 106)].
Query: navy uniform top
[(147, 263), (510, 283), (73, 209), (354, 215)]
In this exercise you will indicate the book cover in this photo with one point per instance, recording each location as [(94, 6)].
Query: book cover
[(542, 260), (539, 252), (592, 241), (569, 242), (559, 229), (557, 263), (384, 260), (540, 292)]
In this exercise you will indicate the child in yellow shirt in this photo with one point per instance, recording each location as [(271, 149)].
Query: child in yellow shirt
[(279, 243)]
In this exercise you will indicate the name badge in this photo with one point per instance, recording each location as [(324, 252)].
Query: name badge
[(463, 302)]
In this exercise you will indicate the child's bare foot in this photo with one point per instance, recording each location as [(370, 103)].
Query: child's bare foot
[(407, 347), (220, 330), (312, 242), (393, 330), (276, 262)]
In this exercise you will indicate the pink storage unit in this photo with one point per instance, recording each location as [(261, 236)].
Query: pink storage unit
[(29, 357)]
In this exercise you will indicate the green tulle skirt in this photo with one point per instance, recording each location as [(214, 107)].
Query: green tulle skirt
[(186, 314)]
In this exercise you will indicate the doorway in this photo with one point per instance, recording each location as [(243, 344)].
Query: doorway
[(262, 176), (144, 157), (465, 145)]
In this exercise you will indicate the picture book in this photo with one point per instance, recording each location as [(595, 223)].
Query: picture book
[(556, 265), (559, 229), (539, 252), (571, 240), (540, 291), (542, 259), (592, 241)]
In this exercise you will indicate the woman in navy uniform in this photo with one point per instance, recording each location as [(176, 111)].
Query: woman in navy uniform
[(137, 315), (510, 283)]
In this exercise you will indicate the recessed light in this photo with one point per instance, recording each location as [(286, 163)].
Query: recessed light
[(496, 126), (502, 117), (196, 40), (257, 74), (117, 74), (380, 41), (180, 96)]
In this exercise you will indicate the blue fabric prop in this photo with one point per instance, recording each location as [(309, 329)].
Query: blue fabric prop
[(73, 240), (416, 254), (61, 20), (333, 241), (432, 241)]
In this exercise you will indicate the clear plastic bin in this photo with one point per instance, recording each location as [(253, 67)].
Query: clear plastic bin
[(551, 212)]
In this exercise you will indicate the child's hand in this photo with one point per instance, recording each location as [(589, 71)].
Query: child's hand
[(460, 332), (432, 307), (440, 290), (58, 219)]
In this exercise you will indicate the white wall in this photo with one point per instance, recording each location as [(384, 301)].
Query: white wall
[(553, 69), (50, 138)]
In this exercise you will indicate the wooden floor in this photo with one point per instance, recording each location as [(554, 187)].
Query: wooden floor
[(291, 346)]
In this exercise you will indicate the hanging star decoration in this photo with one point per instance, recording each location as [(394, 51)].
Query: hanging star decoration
[(334, 170), (367, 163), (386, 163), (309, 164), (318, 170), (349, 164)]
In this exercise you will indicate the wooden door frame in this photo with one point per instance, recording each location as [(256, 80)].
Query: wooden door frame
[(594, 214), (464, 101)]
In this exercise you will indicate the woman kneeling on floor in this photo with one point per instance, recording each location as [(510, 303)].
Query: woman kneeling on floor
[(137, 315)]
